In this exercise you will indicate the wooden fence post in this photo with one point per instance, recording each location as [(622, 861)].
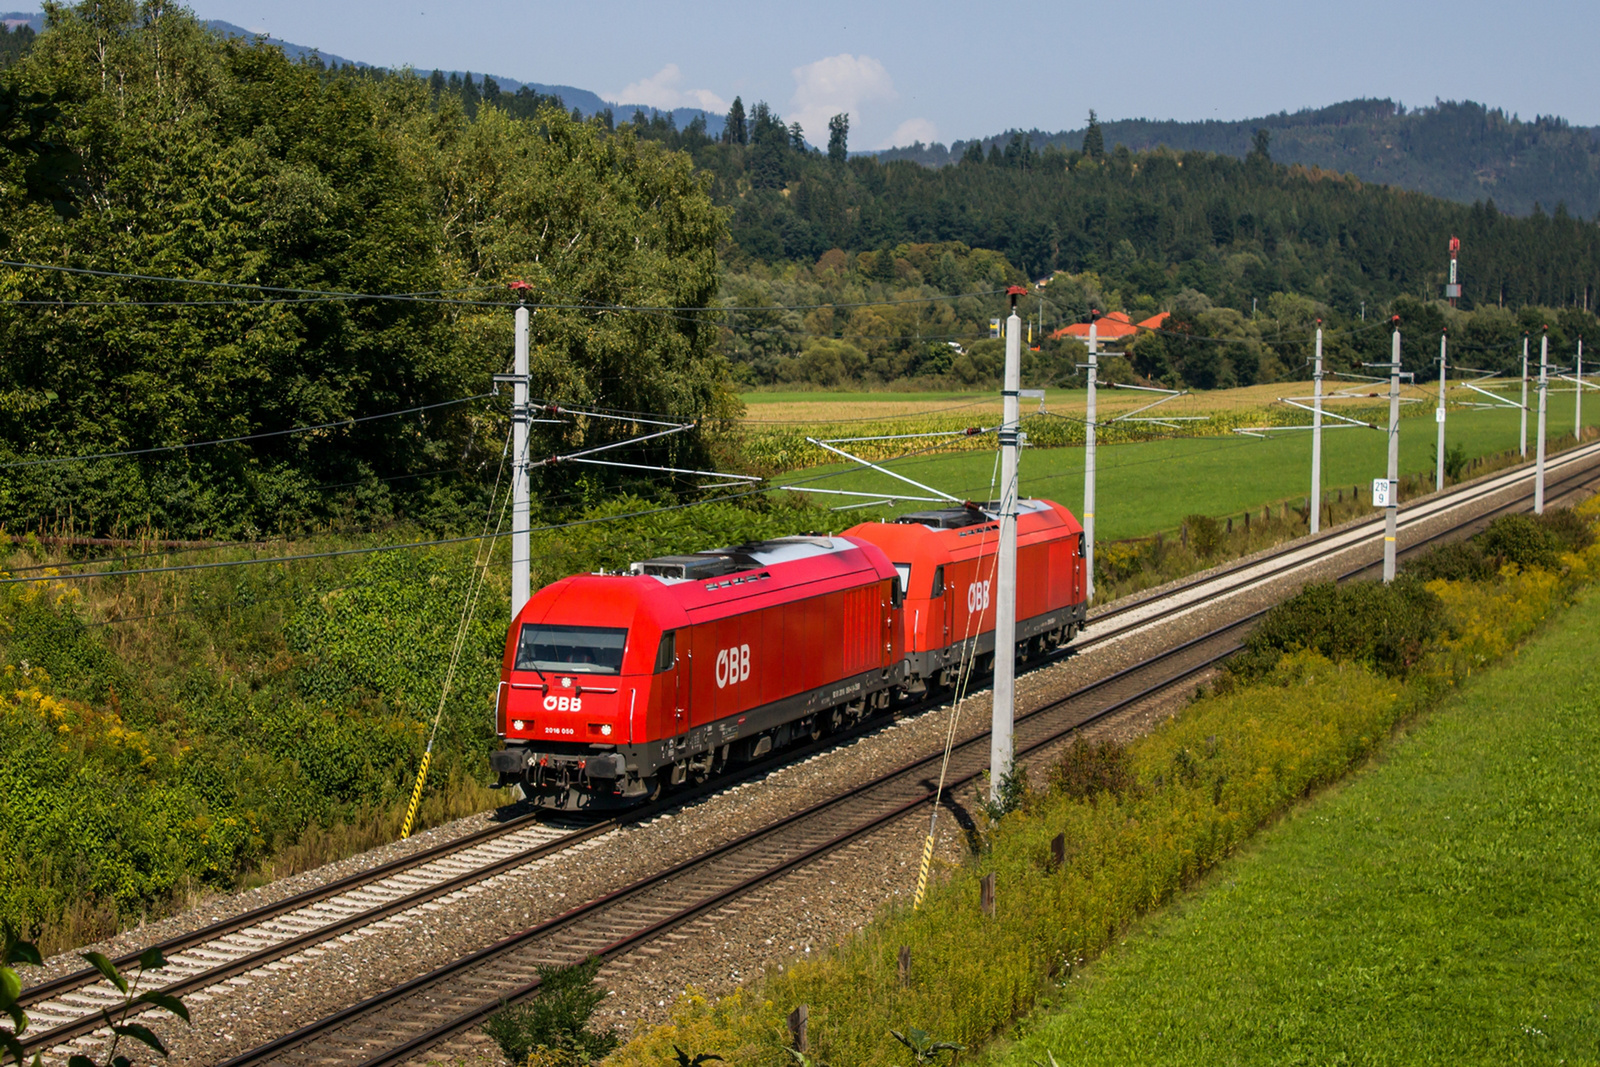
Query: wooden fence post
[(797, 1027), (1058, 851), (986, 900), (905, 965)]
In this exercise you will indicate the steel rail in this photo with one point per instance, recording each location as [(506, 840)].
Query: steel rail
[(1277, 561), (266, 912)]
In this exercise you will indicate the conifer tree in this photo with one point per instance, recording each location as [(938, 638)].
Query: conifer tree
[(1094, 142), (839, 138), (734, 130)]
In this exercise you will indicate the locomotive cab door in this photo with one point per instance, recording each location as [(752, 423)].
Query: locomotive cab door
[(1077, 572), (943, 601), (672, 668), (685, 678)]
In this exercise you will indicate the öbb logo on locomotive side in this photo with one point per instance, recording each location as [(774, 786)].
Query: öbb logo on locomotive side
[(733, 665), (978, 596), (555, 703)]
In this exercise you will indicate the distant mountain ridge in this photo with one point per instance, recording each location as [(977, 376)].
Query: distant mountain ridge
[(1461, 151), (588, 103)]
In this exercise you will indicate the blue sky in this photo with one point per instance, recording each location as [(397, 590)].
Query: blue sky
[(938, 69)]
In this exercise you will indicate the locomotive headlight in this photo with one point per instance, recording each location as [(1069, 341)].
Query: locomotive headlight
[(605, 730), (518, 724)]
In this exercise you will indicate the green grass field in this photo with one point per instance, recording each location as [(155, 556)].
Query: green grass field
[(1437, 909), (1152, 485)]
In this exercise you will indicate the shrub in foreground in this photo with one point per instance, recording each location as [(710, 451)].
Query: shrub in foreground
[(553, 1029), (1519, 539), (1385, 627)]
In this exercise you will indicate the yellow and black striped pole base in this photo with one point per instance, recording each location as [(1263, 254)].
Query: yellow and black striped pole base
[(416, 794), (922, 875)]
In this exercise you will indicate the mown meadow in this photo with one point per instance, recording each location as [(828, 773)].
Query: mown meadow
[(1149, 486), (1325, 683), (1436, 910)]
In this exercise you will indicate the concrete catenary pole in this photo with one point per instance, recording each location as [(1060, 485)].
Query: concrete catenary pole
[(520, 548), (1538, 464), (1088, 460), (1438, 415), (1391, 514), (1577, 398), (1524, 432), (1316, 436), (1005, 604)]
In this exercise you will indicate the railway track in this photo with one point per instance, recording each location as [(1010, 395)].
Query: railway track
[(1161, 608), (67, 1008), (411, 1018)]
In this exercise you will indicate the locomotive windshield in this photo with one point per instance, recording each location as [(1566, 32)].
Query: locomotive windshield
[(571, 649)]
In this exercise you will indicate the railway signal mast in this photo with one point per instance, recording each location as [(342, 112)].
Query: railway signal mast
[(1005, 620), (1452, 289)]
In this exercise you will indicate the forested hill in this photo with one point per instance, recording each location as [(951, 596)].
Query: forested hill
[(1157, 222), (1459, 151)]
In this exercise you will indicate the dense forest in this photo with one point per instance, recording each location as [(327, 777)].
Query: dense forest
[(1234, 229), (140, 144), (1462, 151)]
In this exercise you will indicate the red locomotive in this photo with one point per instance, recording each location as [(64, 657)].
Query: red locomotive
[(615, 685), (947, 565)]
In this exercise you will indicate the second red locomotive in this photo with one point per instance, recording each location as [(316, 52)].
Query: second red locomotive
[(615, 685)]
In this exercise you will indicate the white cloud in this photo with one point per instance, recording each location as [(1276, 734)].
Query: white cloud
[(910, 131), (837, 84), (663, 90)]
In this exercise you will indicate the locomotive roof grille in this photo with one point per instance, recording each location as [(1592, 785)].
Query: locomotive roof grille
[(753, 555), (959, 518), (943, 518)]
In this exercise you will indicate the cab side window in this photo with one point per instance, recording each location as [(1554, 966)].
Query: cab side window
[(938, 580), (667, 651)]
